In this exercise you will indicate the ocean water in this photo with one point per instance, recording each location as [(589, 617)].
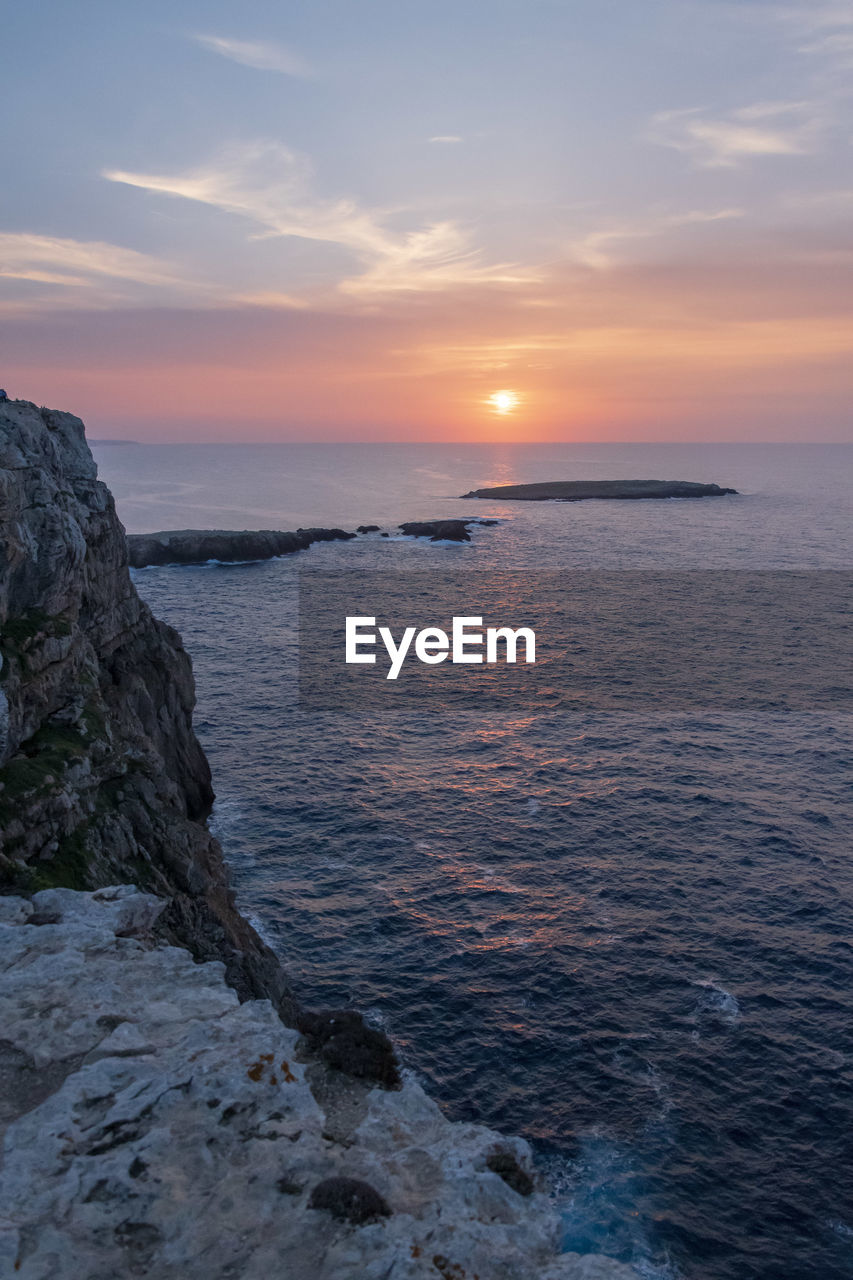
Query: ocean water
[(628, 938)]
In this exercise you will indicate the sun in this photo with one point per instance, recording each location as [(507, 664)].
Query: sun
[(503, 401)]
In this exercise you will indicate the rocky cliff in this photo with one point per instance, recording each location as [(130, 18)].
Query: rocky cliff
[(101, 776)]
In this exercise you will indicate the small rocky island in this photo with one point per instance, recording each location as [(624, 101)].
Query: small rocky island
[(443, 530), (581, 490)]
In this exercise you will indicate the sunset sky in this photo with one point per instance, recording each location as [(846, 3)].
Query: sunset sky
[(467, 219)]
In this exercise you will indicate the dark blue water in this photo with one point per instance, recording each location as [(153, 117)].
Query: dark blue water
[(627, 938)]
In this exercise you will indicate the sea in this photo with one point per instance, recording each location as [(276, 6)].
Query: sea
[(627, 937)]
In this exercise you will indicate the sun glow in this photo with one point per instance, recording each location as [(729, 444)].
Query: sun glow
[(503, 401)]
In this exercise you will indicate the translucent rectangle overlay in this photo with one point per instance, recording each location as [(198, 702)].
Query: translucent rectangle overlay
[(633, 641)]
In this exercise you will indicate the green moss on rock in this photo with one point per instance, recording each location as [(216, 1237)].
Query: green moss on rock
[(18, 634), (38, 767), (67, 868)]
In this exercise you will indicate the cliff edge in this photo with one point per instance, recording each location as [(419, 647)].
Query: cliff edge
[(102, 778)]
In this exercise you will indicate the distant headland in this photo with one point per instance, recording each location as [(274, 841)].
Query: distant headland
[(580, 490)]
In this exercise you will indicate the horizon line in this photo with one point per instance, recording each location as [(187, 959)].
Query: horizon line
[(116, 440)]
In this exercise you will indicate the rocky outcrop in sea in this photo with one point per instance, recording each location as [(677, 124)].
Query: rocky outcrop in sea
[(582, 490), (167, 1108), (196, 546), (443, 530)]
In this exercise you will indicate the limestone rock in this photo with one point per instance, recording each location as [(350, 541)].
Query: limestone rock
[(154, 1126)]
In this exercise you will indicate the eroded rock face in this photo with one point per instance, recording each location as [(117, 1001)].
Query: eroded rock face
[(101, 775), (155, 1126)]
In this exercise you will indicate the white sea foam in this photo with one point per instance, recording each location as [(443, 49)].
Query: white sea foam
[(375, 1017), (716, 1004), (265, 934), (227, 821), (234, 564), (656, 1270), (594, 1193), (832, 1059)]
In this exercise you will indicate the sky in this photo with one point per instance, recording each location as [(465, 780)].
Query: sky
[(462, 220)]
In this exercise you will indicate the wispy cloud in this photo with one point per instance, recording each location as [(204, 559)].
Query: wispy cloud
[(438, 256), (746, 345), (39, 272), (762, 129), (51, 260), (270, 185), (446, 138), (817, 18), (271, 298), (836, 46), (837, 201), (825, 32), (263, 55), (596, 248)]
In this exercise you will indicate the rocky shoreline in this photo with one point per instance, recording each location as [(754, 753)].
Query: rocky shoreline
[(169, 1109), (198, 546)]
